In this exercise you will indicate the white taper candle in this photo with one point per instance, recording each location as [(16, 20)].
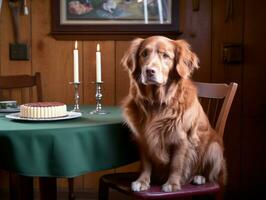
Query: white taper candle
[(76, 63), (145, 6), (160, 11), (98, 65)]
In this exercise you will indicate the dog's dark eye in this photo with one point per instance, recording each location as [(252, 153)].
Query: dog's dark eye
[(144, 53), (165, 55)]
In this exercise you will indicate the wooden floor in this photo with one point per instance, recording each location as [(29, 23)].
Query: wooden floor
[(80, 195)]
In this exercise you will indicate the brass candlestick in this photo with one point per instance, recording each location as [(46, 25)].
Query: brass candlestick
[(99, 109), (77, 97)]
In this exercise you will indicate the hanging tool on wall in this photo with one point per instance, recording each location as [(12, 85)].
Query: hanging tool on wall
[(17, 50)]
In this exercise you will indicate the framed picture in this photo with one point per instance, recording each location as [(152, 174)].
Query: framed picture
[(113, 19)]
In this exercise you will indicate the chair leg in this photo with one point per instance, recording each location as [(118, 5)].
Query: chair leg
[(26, 184), (13, 186), (103, 191), (48, 188), (20, 187), (219, 195), (71, 195)]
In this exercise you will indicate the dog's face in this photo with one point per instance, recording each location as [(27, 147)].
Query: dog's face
[(157, 59)]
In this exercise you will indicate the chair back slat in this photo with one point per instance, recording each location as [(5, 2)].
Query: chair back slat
[(221, 121), (216, 105), (219, 99), (209, 106), (212, 90), (19, 81), (20, 87)]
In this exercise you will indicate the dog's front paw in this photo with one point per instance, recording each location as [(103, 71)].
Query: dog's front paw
[(138, 186), (171, 187), (199, 180)]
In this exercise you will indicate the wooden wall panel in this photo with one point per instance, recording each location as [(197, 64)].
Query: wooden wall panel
[(229, 32), (254, 100), (122, 80), (1, 40), (196, 28)]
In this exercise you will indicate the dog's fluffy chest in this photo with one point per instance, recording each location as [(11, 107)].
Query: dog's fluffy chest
[(159, 132), (168, 120)]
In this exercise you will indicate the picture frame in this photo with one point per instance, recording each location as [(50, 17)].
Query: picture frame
[(113, 19)]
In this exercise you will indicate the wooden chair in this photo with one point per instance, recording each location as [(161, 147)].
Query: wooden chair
[(23, 88), (213, 97), (20, 82)]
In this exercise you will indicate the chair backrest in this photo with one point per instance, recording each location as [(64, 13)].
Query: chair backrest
[(216, 97), (21, 82)]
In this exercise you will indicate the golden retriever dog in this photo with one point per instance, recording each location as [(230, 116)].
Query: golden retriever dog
[(175, 139)]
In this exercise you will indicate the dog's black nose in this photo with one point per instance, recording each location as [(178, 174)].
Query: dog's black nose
[(150, 72)]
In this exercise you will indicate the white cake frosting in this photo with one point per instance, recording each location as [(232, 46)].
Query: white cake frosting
[(41, 110)]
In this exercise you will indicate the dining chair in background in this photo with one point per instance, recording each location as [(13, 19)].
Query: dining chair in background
[(216, 100), (24, 89)]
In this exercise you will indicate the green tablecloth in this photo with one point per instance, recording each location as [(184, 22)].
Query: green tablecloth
[(66, 148)]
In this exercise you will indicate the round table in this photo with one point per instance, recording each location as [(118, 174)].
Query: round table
[(66, 148)]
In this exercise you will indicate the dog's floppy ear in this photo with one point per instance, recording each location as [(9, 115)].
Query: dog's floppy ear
[(129, 61), (186, 60)]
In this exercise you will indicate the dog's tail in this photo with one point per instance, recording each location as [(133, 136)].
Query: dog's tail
[(215, 163)]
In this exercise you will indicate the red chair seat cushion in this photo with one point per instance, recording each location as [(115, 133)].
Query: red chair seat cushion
[(122, 183)]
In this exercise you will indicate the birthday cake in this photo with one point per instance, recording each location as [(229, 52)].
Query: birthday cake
[(43, 110)]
